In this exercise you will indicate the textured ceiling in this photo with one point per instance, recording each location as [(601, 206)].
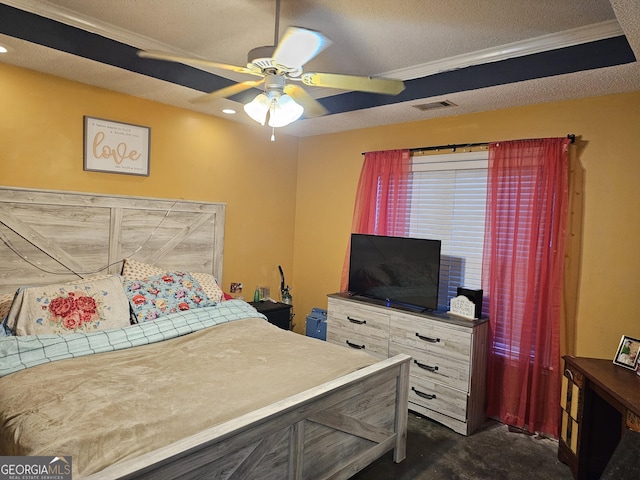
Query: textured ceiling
[(480, 55)]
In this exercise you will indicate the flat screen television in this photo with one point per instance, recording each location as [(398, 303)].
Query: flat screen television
[(401, 271)]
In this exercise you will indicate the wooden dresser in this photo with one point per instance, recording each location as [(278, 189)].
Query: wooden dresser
[(599, 400), (448, 369)]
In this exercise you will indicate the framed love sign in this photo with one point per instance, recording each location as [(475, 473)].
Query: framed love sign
[(116, 147)]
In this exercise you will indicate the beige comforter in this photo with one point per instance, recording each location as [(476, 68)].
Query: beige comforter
[(113, 406)]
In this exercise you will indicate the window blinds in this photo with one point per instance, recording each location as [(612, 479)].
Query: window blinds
[(447, 202)]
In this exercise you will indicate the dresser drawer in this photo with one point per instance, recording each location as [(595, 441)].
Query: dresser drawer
[(451, 372), (437, 397), (357, 317), (431, 336), (374, 346), (358, 327)]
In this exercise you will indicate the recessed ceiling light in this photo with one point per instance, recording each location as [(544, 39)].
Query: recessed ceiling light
[(3, 49), (229, 111)]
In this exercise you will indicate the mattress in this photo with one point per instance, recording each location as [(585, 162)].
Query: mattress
[(107, 407)]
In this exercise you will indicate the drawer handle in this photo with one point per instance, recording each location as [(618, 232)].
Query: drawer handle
[(424, 395), (427, 339), (355, 345), (356, 321), (426, 367)]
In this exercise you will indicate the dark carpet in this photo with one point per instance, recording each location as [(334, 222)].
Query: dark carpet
[(436, 452)]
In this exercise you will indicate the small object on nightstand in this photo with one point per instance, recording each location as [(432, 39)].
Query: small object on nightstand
[(265, 293), (286, 296), (285, 292)]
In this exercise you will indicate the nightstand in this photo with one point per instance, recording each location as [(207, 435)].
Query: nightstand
[(277, 313)]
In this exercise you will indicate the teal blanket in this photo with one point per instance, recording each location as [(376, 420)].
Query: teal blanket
[(18, 353)]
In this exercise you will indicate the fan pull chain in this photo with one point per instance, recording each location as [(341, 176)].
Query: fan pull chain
[(273, 134)]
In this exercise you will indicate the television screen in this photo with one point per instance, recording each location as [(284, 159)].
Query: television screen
[(400, 270)]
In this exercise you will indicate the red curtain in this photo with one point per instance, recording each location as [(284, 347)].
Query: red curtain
[(381, 198), (526, 218)]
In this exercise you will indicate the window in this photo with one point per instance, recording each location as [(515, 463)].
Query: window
[(447, 202)]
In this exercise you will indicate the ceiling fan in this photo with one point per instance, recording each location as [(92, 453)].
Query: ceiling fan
[(280, 68)]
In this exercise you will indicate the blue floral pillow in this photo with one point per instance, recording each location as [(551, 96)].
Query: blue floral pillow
[(155, 296)]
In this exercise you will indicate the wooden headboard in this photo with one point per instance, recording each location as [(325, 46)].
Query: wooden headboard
[(51, 236)]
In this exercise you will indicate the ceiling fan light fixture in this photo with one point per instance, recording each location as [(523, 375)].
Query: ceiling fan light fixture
[(258, 108), (284, 110)]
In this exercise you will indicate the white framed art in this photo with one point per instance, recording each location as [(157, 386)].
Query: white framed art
[(628, 352), (116, 147)]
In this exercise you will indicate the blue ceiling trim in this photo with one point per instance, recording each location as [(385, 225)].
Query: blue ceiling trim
[(50, 33), (588, 56)]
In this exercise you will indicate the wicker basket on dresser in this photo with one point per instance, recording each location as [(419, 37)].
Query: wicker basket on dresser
[(448, 369)]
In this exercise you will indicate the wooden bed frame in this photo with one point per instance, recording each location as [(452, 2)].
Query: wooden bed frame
[(328, 432), (51, 237)]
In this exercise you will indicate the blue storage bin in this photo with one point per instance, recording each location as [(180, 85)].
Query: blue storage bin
[(316, 326)]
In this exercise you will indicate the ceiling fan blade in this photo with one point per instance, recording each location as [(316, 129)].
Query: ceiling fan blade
[(228, 91), (299, 45), (312, 108), (387, 86), (172, 57)]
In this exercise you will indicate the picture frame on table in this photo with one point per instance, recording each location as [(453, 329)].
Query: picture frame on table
[(116, 147), (628, 353)]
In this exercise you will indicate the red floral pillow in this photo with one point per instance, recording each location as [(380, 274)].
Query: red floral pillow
[(84, 306)]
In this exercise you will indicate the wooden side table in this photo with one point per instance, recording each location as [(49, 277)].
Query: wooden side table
[(599, 401)]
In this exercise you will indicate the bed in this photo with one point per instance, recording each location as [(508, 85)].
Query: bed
[(212, 391)]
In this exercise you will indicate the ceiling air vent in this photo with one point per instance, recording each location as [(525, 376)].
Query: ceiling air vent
[(430, 106)]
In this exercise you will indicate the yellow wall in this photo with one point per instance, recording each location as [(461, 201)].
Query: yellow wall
[(290, 202), (609, 130), (193, 156)]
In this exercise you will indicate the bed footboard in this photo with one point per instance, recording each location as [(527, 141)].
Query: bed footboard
[(329, 432)]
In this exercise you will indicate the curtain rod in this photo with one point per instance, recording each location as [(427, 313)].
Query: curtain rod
[(570, 136)]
